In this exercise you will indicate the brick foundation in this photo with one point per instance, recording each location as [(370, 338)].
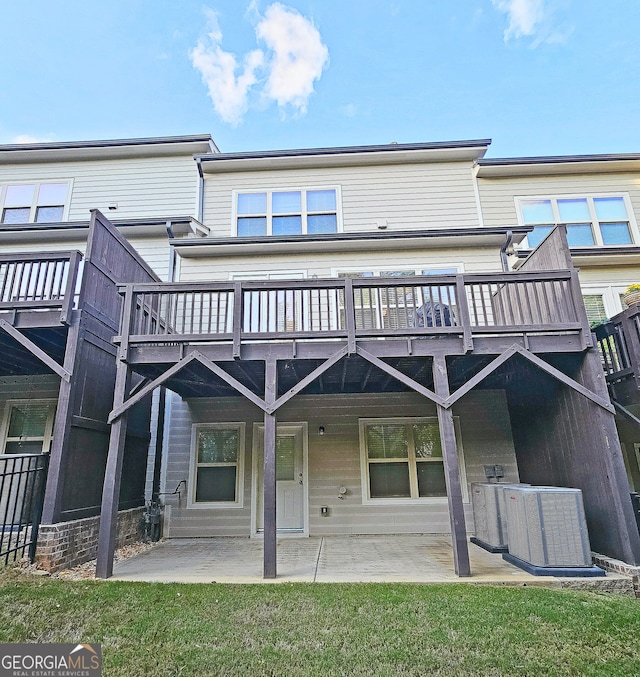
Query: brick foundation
[(67, 544), (619, 567)]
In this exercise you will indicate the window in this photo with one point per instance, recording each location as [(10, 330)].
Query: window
[(33, 202), (402, 459), (594, 305), (218, 453), (288, 212), (603, 301), (401, 307), (590, 221), (28, 426)]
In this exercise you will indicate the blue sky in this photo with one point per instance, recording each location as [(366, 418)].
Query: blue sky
[(539, 77)]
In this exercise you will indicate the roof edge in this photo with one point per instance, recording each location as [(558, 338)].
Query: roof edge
[(109, 143), (344, 150), (359, 236), (557, 159)]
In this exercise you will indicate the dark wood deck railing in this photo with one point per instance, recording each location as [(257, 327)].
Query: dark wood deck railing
[(619, 343), (46, 282), (459, 305)]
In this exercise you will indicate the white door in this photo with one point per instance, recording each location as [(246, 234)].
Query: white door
[(290, 478)]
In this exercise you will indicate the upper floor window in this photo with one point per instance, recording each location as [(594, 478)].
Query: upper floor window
[(33, 202), (590, 221), (290, 212)]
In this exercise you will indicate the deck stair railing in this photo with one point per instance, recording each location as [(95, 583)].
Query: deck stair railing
[(619, 344), (457, 305), (32, 282)]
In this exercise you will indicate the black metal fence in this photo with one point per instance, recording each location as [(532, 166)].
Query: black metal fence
[(22, 482)]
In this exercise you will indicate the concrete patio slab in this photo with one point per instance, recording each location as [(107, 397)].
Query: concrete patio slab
[(333, 559)]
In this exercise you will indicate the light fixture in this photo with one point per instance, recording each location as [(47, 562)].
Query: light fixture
[(321, 430)]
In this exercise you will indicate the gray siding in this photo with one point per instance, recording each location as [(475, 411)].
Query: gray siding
[(28, 388), (497, 194), (324, 264), (142, 187), (409, 196), (334, 460)]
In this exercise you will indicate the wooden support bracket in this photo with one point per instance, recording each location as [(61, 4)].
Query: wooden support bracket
[(36, 351)]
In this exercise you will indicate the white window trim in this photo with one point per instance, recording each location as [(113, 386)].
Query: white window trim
[(191, 494), (34, 202), (270, 275), (589, 197), (427, 500), (48, 430), (378, 270), (610, 294), (285, 189)]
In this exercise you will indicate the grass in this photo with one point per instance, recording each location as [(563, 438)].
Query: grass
[(327, 629)]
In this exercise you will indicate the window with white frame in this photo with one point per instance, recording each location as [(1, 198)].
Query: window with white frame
[(28, 426), (401, 307), (37, 202), (306, 211), (603, 301), (402, 459), (218, 461), (591, 221)]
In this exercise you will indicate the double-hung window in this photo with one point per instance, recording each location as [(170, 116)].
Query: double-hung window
[(402, 459), (287, 212), (28, 426), (33, 202), (218, 462), (590, 221)]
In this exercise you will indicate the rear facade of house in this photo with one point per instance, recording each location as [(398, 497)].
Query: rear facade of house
[(333, 341)]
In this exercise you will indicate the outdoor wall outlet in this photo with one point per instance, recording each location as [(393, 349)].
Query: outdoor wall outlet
[(324, 510), (489, 471)]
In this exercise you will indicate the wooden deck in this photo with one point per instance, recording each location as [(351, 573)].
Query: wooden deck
[(38, 294), (45, 283), (460, 313)]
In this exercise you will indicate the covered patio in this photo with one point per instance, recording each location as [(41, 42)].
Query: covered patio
[(416, 558)]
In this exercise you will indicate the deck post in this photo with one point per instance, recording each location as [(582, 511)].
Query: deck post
[(269, 474), (113, 474), (461, 563)]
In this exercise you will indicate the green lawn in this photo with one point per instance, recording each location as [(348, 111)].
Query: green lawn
[(327, 629)]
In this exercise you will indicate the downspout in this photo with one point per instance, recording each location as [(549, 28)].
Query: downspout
[(503, 251), (162, 415), (200, 190), (171, 272)]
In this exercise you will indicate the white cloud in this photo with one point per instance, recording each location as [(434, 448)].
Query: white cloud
[(298, 56), (286, 71), (525, 16), (533, 19), (227, 91)]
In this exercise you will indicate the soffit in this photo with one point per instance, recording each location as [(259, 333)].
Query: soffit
[(399, 240), (106, 149), (355, 156)]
